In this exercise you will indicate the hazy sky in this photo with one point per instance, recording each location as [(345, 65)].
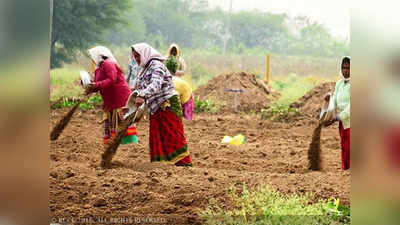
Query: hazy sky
[(335, 15)]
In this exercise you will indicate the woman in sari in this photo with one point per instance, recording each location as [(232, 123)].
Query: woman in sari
[(186, 96), (133, 72), (341, 99), (175, 51), (155, 87), (109, 81)]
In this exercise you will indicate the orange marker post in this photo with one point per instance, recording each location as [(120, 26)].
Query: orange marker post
[(267, 69)]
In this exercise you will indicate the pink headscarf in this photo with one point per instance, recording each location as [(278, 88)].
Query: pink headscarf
[(146, 53)]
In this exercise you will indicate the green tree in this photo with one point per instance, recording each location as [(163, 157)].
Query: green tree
[(216, 33), (255, 29), (179, 21), (133, 31), (311, 38), (79, 24), (316, 40)]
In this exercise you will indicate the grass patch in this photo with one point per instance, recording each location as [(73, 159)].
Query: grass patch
[(205, 106), (95, 100), (291, 88), (200, 74), (65, 85), (91, 103), (204, 64), (64, 82), (264, 205), (63, 76), (279, 113)]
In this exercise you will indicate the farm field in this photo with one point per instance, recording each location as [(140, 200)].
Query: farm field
[(274, 154)]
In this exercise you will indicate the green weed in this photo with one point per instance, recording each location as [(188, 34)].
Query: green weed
[(205, 106), (279, 113), (65, 103), (93, 101), (266, 206)]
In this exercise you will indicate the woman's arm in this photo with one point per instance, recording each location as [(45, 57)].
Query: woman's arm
[(335, 98), (110, 72)]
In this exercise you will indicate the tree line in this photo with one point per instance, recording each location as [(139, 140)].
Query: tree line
[(79, 24)]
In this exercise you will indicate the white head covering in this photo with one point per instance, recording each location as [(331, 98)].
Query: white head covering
[(146, 53), (97, 52), (341, 74), (178, 50)]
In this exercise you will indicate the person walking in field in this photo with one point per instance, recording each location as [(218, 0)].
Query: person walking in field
[(109, 81), (184, 90), (133, 72), (174, 51), (341, 99), (186, 96), (156, 88)]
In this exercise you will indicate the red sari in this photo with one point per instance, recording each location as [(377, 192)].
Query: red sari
[(167, 140)]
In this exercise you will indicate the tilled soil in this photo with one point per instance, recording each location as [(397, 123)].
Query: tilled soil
[(134, 188)]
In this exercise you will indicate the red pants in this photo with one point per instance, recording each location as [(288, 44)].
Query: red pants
[(393, 146), (345, 145)]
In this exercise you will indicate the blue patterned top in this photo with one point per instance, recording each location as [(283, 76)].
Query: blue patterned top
[(155, 85)]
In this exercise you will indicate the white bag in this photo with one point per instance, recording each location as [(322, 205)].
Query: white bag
[(85, 78), (131, 105), (327, 110)]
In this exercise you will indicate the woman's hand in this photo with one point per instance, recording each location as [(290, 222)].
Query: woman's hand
[(330, 122), (327, 97), (137, 119), (123, 112), (139, 101), (89, 88)]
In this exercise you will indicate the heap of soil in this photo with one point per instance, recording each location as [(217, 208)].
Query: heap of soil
[(310, 104), (255, 97)]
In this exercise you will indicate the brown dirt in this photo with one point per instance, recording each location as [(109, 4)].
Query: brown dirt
[(255, 97), (63, 122), (112, 146), (274, 153), (310, 104), (314, 152)]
